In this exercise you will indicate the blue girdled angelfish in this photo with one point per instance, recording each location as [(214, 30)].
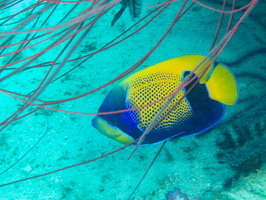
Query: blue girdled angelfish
[(202, 108)]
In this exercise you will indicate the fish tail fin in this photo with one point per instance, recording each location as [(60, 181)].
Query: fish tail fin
[(222, 85)]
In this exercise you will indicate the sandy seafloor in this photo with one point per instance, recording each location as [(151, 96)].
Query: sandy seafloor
[(227, 162)]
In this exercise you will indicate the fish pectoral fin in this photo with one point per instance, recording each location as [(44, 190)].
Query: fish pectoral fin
[(222, 85), (118, 15), (111, 131)]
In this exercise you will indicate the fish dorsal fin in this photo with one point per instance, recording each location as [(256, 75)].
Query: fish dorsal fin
[(222, 85), (190, 61), (177, 66)]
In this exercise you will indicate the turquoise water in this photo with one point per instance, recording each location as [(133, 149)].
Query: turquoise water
[(227, 162)]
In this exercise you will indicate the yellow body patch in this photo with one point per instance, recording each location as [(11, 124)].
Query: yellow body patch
[(152, 87), (156, 82)]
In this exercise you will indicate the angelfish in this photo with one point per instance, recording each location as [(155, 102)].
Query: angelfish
[(201, 109)]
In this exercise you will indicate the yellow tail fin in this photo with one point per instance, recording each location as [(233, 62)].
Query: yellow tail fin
[(222, 85)]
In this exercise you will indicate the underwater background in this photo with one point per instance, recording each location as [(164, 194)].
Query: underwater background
[(227, 162)]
